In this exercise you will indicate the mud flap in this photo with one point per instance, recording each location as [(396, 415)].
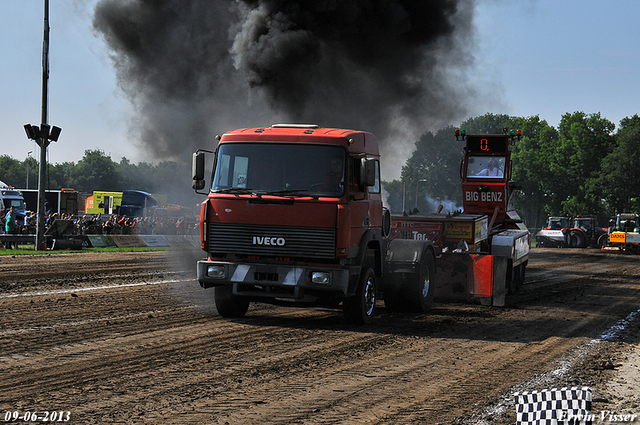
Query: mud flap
[(471, 278)]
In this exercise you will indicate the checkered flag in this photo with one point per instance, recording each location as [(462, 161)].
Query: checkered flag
[(563, 406)]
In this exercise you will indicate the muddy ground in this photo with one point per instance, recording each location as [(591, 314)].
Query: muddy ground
[(131, 338)]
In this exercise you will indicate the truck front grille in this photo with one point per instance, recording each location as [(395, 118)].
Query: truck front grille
[(307, 242)]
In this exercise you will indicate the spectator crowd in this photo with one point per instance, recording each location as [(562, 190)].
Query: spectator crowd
[(112, 225)]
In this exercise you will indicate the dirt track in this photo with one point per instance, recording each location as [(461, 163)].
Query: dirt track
[(154, 351)]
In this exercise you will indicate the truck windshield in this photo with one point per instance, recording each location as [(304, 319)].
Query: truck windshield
[(486, 167), (280, 169), (559, 223), (17, 204), (628, 222), (585, 223)]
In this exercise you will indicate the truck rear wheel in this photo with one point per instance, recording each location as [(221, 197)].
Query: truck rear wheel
[(229, 305), (421, 290), (359, 309)]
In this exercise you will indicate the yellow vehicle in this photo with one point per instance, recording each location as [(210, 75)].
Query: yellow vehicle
[(133, 203), (624, 234), (103, 202)]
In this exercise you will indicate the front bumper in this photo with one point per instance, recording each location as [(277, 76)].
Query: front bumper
[(273, 281)]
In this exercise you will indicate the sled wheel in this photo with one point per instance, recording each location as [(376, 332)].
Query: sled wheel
[(515, 277)]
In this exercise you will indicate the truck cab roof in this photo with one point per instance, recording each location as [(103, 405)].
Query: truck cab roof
[(353, 140)]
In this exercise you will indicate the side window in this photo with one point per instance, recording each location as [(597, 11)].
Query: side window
[(376, 187)]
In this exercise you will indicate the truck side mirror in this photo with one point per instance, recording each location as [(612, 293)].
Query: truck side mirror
[(368, 172), (197, 171)]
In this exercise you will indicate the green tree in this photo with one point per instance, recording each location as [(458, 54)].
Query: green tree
[(618, 183), (531, 158), (62, 175), (12, 171), (489, 124), (433, 170), (96, 171), (583, 143)]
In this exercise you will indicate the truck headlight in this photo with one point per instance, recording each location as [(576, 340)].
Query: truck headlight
[(322, 278), (217, 272)]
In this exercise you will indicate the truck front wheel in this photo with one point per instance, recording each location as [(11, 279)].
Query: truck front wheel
[(359, 309), (229, 305)]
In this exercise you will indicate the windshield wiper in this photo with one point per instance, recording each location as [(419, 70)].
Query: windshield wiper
[(240, 190), (288, 192)]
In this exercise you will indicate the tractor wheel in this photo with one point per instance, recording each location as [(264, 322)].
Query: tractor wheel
[(577, 239), (603, 240)]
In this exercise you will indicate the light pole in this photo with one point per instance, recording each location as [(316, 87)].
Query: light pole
[(404, 192), (418, 184), (44, 134), (28, 158)]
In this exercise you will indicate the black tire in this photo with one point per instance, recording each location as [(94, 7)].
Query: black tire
[(512, 278), (603, 240), (521, 275), (577, 239), (421, 290), (515, 278), (359, 308), (229, 305)]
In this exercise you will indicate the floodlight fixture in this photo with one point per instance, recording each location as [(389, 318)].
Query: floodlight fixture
[(32, 131)]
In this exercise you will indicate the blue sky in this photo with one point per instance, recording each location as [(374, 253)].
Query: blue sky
[(545, 58), (552, 57)]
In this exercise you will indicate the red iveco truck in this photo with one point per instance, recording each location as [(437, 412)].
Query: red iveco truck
[(294, 216)]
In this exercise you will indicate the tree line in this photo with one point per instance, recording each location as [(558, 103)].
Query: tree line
[(582, 167)]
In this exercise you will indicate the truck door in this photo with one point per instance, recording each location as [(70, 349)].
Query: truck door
[(364, 215)]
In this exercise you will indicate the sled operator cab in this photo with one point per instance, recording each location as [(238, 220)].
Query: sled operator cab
[(486, 173)]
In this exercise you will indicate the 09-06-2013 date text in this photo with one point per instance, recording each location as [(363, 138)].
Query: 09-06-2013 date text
[(45, 416)]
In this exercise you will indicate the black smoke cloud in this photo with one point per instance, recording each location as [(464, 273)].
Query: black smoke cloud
[(195, 68)]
